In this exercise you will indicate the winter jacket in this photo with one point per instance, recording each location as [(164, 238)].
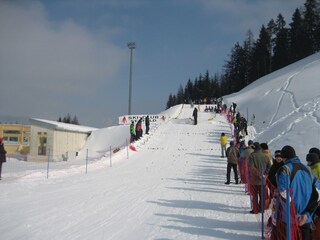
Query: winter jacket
[(269, 155), (2, 153), (132, 130), (138, 126), (316, 169), (273, 171), (301, 186), (195, 113), (223, 140), (246, 153), (147, 122), (258, 161), (233, 155)]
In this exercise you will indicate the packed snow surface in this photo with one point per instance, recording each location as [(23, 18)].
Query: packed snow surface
[(172, 187)]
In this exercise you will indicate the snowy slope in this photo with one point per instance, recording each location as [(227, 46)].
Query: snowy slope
[(286, 105), (172, 187)]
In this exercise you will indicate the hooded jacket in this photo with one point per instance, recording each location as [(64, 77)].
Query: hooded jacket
[(301, 186)]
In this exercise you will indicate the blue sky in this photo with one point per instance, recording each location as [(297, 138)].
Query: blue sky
[(59, 57)]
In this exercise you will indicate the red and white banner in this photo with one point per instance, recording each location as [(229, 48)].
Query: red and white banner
[(126, 119)]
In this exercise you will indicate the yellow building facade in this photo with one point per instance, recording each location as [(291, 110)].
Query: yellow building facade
[(16, 138)]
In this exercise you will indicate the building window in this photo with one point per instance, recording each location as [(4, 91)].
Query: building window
[(25, 141), (5, 140), (11, 132), (11, 140)]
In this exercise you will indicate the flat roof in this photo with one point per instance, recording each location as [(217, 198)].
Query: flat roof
[(61, 126)]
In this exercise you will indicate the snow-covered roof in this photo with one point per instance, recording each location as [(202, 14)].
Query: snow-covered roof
[(61, 126)]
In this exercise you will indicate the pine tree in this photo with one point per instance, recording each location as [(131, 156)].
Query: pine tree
[(317, 30), (281, 48), (180, 95), (272, 31), (206, 85), (261, 55), (188, 92), (75, 120), (215, 86), (297, 38), (170, 101), (196, 92), (200, 87), (276, 47), (224, 86), (248, 47), (67, 119), (235, 69), (311, 17)]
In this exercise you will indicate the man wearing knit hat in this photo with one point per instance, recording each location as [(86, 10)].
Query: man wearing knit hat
[(315, 150), (298, 175), (278, 163)]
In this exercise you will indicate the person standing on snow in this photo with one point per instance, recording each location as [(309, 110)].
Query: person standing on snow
[(272, 184), (139, 129), (223, 143), (147, 122), (234, 105), (248, 150), (313, 161), (132, 132), (266, 151), (258, 162), (298, 175), (277, 164), (232, 156), (195, 115), (2, 155)]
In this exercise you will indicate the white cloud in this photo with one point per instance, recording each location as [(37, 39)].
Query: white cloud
[(48, 69), (61, 57)]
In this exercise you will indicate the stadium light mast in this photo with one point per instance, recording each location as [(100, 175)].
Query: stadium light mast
[(131, 46)]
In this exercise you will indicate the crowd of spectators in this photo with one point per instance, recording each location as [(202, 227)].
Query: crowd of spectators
[(272, 179)]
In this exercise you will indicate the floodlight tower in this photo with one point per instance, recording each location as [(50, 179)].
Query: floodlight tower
[(131, 46)]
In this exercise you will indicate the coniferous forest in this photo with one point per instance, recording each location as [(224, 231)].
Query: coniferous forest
[(278, 45)]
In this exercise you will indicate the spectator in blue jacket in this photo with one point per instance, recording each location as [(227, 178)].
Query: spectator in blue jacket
[(300, 181)]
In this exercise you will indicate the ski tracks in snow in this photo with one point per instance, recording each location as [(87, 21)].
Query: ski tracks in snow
[(305, 110)]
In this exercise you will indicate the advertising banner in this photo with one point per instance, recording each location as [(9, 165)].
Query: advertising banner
[(126, 119)]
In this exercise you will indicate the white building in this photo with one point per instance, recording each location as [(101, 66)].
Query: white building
[(55, 140)]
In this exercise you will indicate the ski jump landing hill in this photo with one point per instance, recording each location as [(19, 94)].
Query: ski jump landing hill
[(286, 104), (178, 118)]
